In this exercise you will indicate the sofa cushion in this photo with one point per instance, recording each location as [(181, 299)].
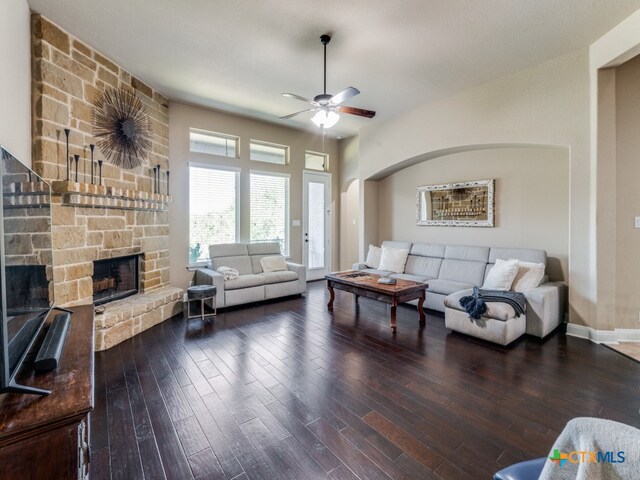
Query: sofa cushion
[(496, 310), (408, 276), (278, 277), (529, 276), (464, 252), (425, 266), (244, 281), (427, 250), (273, 263), (394, 244), (373, 257), (501, 276), (268, 248), (446, 287), (523, 254), (259, 250), (462, 271), (241, 263), (393, 259), (228, 250)]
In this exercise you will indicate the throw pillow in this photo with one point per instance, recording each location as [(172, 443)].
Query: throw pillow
[(274, 263), (529, 276), (393, 259), (501, 276), (373, 257), (228, 273)]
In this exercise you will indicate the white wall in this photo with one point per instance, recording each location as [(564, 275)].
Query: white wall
[(15, 83), (182, 117), (531, 201)]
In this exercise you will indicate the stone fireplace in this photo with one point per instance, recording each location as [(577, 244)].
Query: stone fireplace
[(123, 216)]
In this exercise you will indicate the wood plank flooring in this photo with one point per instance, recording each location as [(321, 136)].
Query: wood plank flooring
[(288, 390)]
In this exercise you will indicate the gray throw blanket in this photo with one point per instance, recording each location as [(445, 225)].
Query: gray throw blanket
[(475, 304), (611, 452)]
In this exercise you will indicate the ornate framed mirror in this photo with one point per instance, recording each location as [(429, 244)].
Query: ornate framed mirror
[(464, 204)]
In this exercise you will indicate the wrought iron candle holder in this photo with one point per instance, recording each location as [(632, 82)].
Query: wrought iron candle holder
[(67, 132), (92, 148), (167, 182), (155, 186), (100, 172), (77, 159)]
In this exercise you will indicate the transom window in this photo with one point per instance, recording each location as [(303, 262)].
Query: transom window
[(201, 141), (316, 161), (214, 211), (269, 209), (268, 152)]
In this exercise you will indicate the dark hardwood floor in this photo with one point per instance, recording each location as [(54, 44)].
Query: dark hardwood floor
[(288, 390)]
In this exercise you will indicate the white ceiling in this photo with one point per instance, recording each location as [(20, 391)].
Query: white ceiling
[(240, 55)]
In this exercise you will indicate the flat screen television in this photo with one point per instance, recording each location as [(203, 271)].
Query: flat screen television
[(26, 273)]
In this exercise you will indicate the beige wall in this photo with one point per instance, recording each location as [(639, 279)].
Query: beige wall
[(627, 198), (15, 86), (547, 104), (613, 126), (532, 201), (182, 117), (349, 224)]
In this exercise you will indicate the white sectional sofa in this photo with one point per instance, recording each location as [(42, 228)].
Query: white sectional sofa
[(253, 285), (451, 271)]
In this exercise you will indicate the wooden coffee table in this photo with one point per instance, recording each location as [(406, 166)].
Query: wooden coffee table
[(363, 284)]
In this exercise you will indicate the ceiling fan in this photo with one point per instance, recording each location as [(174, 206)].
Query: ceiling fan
[(327, 106)]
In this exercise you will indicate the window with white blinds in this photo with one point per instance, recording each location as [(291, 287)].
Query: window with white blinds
[(269, 209), (214, 209)]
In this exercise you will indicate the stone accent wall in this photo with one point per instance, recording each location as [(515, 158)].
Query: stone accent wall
[(68, 79)]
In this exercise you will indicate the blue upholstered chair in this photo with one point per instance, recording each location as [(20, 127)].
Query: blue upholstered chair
[(529, 470)]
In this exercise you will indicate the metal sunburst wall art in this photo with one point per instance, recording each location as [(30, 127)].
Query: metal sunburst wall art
[(122, 128)]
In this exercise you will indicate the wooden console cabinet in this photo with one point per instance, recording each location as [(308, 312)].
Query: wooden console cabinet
[(48, 437)]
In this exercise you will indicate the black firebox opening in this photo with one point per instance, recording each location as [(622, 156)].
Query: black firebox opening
[(115, 278)]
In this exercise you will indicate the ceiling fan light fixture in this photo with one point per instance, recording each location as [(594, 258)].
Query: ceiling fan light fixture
[(325, 118)]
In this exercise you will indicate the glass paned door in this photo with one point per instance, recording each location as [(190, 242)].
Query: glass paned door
[(316, 224)]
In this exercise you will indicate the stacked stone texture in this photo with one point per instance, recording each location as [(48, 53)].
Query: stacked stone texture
[(68, 79)]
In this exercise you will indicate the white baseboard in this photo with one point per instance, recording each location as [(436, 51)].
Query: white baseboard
[(604, 336)]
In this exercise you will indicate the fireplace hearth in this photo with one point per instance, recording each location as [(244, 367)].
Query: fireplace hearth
[(115, 278)]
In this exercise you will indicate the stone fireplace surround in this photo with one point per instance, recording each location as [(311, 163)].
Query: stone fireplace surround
[(89, 222)]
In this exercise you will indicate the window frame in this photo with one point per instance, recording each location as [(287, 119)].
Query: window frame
[(225, 136), (286, 148), (287, 215), (320, 154), (238, 172)]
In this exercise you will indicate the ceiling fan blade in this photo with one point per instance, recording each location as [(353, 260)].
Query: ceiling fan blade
[(357, 111), (344, 95), (297, 113), (298, 97)]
